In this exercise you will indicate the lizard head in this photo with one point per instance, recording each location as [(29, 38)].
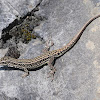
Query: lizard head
[(3, 61)]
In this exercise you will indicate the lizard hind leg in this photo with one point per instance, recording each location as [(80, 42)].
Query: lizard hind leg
[(26, 73), (53, 69), (49, 43)]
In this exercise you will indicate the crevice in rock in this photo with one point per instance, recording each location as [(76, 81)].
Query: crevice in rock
[(21, 29)]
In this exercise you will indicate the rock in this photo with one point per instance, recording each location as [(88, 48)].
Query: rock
[(77, 75)]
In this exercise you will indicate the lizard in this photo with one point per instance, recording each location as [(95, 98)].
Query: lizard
[(47, 58)]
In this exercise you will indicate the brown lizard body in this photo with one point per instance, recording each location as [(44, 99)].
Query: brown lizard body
[(46, 58)]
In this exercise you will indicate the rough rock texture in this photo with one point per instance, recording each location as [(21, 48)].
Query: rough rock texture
[(78, 71), (9, 9)]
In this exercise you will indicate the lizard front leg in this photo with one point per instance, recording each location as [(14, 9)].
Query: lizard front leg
[(26, 73)]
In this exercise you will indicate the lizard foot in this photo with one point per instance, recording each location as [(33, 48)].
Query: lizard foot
[(51, 73), (24, 75)]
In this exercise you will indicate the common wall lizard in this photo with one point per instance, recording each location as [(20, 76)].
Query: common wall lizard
[(46, 58)]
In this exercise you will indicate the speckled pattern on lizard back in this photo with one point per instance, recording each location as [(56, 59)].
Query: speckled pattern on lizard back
[(46, 58)]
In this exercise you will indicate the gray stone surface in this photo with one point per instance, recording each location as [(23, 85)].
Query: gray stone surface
[(78, 71), (10, 10)]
